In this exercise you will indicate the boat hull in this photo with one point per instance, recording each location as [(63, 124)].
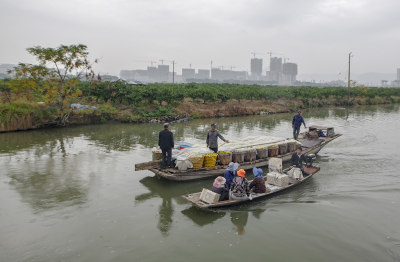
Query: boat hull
[(195, 198), (189, 175)]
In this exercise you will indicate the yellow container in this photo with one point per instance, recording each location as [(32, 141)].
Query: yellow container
[(210, 159), (197, 161), (157, 155)]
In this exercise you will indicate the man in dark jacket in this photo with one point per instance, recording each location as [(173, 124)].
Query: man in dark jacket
[(296, 124), (212, 138), (297, 159), (166, 143)]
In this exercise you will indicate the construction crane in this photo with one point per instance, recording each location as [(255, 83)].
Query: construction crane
[(270, 53), (256, 53), (173, 67)]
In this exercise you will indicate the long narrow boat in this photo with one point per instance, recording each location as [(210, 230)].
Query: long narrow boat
[(195, 197), (310, 146)]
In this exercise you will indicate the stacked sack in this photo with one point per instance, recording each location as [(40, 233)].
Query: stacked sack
[(210, 159), (278, 179)]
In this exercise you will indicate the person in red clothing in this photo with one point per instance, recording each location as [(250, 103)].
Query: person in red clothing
[(258, 184)]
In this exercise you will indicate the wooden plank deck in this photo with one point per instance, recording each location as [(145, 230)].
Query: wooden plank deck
[(207, 172)]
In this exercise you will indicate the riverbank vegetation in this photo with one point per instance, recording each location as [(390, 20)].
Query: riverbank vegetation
[(43, 93)]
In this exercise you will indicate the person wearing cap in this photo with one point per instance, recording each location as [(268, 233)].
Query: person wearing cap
[(166, 143), (230, 173), (212, 138), (296, 124), (258, 183), (240, 187), (219, 187)]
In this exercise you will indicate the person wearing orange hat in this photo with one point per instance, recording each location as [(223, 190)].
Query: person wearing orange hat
[(240, 187)]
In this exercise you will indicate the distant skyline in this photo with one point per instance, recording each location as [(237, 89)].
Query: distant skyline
[(315, 34)]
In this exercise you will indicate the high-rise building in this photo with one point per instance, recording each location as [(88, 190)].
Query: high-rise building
[(152, 73), (256, 66), (203, 74), (188, 73), (398, 74), (275, 66), (289, 73), (162, 73), (127, 74), (216, 74)]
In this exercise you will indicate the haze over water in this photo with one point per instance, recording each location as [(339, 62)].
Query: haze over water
[(71, 194)]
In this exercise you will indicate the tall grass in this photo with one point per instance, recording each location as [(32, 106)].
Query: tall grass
[(15, 110)]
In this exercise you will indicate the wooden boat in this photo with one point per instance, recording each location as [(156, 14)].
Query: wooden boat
[(310, 146), (195, 198)]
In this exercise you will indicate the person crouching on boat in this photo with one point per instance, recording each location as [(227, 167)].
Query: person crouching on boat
[(166, 143), (219, 187), (297, 159), (212, 138), (230, 173), (296, 124), (258, 183), (240, 187), (296, 164)]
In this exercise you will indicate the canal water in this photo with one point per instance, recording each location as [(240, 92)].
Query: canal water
[(72, 194)]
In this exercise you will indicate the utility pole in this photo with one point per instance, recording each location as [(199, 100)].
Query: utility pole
[(348, 80), (173, 71), (211, 70)]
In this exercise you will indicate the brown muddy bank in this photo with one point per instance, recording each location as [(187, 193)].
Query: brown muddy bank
[(181, 112)]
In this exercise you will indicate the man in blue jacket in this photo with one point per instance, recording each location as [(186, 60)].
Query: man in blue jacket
[(296, 124)]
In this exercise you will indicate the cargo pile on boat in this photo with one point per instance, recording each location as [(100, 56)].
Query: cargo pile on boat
[(243, 150)]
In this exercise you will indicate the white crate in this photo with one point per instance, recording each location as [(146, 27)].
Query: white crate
[(209, 196), (275, 164)]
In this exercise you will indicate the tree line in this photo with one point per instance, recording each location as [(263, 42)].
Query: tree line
[(121, 92)]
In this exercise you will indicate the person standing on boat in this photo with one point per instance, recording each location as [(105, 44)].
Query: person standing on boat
[(212, 138), (166, 143), (230, 173), (296, 124)]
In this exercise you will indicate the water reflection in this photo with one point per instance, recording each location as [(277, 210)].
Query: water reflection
[(202, 217), (238, 218), (165, 216), (43, 191), (166, 190)]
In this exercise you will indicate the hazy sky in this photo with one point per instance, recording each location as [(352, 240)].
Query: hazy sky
[(316, 34)]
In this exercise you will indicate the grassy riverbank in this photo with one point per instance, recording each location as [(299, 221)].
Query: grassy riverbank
[(122, 102)]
